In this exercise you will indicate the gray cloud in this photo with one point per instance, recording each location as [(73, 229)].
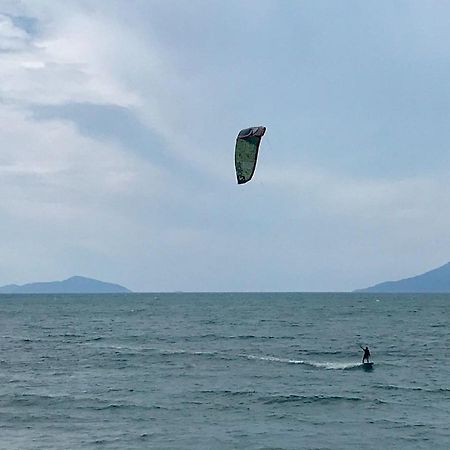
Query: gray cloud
[(117, 132)]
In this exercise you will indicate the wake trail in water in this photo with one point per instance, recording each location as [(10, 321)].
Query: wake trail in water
[(317, 365)]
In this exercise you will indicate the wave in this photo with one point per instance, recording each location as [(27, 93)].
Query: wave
[(316, 364), (186, 352), (142, 350), (227, 392), (205, 354), (41, 400), (309, 399), (122, 406), (219, 337), (95, 338), (66, 401), (261, 337), (393, 387)]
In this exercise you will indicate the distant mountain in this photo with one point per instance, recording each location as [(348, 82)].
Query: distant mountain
[(73, 285), (436, 280)]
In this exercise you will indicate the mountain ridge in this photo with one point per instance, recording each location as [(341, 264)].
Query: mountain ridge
[(73, 285), (433, 281)]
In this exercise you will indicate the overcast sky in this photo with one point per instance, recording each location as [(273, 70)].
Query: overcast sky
[(117, 129)]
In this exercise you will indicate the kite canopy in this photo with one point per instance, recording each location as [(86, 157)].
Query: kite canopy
[(246, 153)]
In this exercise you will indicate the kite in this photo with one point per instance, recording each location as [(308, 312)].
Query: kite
[(246, 152)]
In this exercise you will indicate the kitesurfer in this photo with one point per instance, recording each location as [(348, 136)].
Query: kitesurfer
[(366, 353)]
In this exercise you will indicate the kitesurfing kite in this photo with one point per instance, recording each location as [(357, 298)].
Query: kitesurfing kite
[(246, 152)]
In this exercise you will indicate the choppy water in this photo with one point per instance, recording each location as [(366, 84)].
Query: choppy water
[(224, 371)]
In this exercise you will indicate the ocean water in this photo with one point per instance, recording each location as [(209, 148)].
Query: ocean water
[(224, 371)]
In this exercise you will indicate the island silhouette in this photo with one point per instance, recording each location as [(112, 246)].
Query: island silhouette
[(72, 285)]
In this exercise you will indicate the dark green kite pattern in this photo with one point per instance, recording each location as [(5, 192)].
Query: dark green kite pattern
[(246, 152)]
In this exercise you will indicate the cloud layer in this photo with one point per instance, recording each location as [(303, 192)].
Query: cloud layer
[(117, 128)]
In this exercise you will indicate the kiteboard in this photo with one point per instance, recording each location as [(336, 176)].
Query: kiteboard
[(367, 365)]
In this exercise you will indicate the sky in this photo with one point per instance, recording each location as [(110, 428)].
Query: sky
[(118, 121)]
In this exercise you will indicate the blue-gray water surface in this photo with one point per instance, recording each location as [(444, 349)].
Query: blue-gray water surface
[(224, 371)]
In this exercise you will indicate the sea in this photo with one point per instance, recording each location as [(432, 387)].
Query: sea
[(254, 371)]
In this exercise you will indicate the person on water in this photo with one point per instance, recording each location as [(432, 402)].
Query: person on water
[(366, 353)]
